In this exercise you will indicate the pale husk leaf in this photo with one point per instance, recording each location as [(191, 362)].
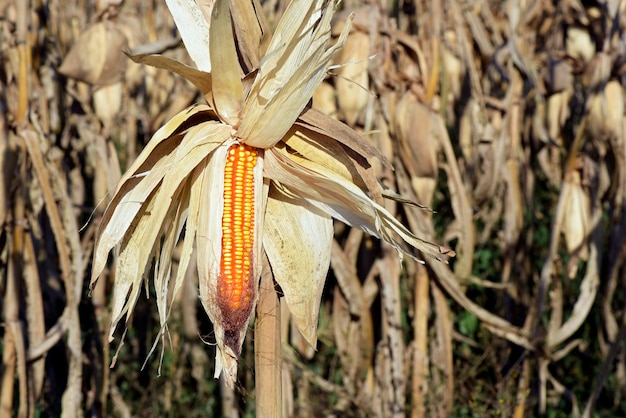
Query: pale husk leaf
[(194, 29), (191, 226), (320, 145), (115, 223), (290, 72), (329, 153), (138, 244), (226, 84), (336, 131), (163, 268), (352, 92), (95, 58), (200, 79), (297, 239), (343, 200), (577, 217), (145, 175)]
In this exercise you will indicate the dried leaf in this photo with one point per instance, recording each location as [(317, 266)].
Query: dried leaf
[(343, 200), (193, 24), (96, 57), (577, 216), (108, 102), (226, 84), (293, 67), (200, 79), (298, 239), (352, 83)]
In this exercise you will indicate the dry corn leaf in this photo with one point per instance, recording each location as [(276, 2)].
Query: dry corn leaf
[(295, 217), (226, 84), (192, 22), (606, 112), (293, 67), (324, 100), (353, 80), (252, 32), (579, 44), (107, 102), (200, 79), (96, 57), (415, 130), (577, 216)]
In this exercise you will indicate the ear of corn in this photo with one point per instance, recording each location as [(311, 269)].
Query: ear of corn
[(235, 286)]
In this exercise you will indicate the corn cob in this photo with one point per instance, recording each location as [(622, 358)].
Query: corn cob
[(236, 283)]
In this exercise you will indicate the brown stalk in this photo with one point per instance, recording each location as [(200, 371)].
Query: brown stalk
[(14, 353), (35, 319), (345, 332), (287, 388), (13, 357), (72, 276), (358, 325), (522, 389), (433, 77), (23, 49), (442, 357), (389, 270), (267, 349), (419, 382)]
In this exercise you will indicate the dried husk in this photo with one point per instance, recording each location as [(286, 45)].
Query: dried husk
[(96, 57), (353, 78)]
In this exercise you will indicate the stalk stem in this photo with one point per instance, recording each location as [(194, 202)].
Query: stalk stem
[(267, 349)]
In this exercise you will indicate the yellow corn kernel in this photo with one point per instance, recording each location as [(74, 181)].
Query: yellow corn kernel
[(235, 283)]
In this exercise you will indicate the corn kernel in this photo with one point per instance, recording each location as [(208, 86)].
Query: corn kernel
[(235, 284)]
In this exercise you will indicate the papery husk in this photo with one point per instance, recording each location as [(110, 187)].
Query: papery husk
[(343, 200), (577, 216), (353, 78), (108, 102), (324, 100), (226, 85), (200, 79), (297, 239), (415, 128), (192, 22), (293, 67), (116, 222), (452, 66), (579, 43), (96, 57), (606, 112), (140, 212)]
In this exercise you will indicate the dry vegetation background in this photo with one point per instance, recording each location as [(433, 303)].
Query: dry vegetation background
[(507, 118)]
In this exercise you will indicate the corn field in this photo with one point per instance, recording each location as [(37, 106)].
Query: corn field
[(494, 129)]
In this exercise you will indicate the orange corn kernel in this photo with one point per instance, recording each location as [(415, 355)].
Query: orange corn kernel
[(235, 285)]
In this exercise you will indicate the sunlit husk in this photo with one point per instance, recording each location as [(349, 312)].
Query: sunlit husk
[(193, 24), (226, 86), (577, 217), (297, 239), (141, 211), (293, 67), (338, 197), (352, 83)]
